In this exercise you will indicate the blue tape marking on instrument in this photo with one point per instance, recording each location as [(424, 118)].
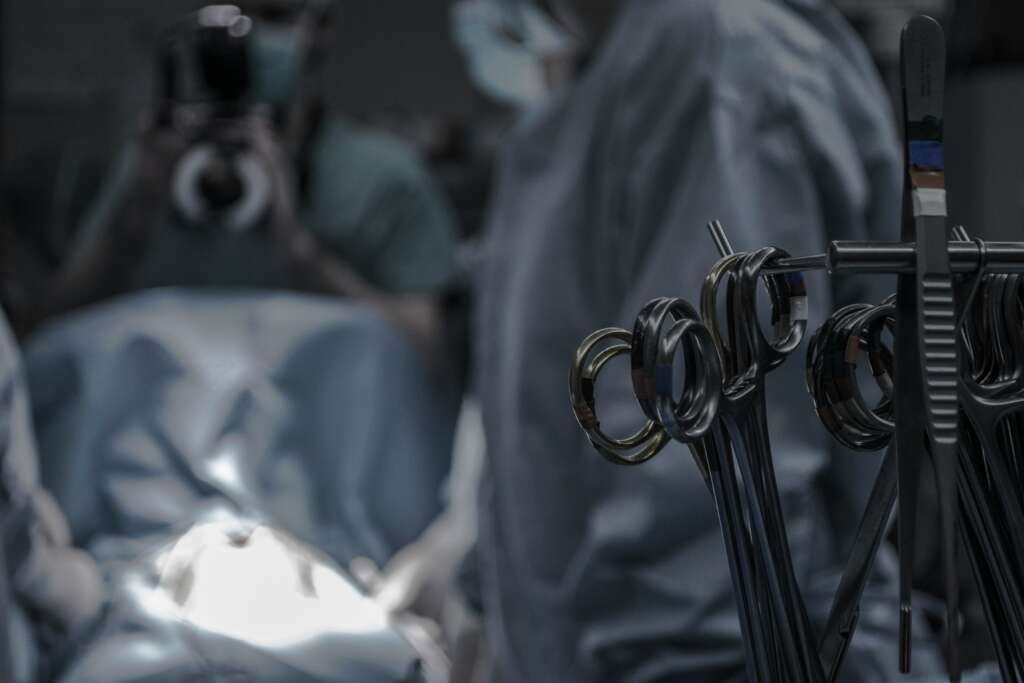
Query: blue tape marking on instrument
[(927, 154)]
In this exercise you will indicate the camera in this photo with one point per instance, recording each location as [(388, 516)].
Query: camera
[(205, 76)]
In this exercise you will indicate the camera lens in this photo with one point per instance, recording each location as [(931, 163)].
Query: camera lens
[(219, 184)]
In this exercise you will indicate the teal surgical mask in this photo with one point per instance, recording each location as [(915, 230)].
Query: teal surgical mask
[(510, 48), (276, 56)]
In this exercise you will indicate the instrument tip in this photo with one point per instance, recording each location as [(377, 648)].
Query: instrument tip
[(721, 240), (906, 612)]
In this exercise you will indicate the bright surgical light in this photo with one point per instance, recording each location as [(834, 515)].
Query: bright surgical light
[(262, 588)]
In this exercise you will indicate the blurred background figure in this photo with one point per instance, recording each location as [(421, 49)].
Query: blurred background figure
[(640, 122), (241, 178)]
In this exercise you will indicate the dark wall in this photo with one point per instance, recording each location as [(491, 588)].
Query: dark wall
[(83, 70), (78, 73), (984, 114), (985, 151)]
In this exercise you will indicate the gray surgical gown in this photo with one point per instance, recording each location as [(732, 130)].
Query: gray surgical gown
[(769, 116)]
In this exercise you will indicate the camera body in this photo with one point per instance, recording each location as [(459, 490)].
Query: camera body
[(219, 183)]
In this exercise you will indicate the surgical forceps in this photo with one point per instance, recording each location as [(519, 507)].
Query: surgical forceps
[(691, 423), (748, 356), (992, 403), (832, 382), (956, 394), (720, 412), (992, 389), (719, 365)]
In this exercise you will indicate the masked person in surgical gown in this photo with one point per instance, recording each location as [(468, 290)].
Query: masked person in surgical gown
[(765, 114), (352, 213)]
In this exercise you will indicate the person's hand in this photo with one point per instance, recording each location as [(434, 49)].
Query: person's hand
[(160, 145), (300, 246)]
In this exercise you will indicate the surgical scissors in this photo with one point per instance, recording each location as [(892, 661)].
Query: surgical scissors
[(688, 419), (664, 328), (992, 389), (832, 381), (992, 403), (751, 356), (636, 449), (700, 380), (720, 413)]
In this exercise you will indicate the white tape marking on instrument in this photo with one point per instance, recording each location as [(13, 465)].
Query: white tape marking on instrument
[(929, 202)]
